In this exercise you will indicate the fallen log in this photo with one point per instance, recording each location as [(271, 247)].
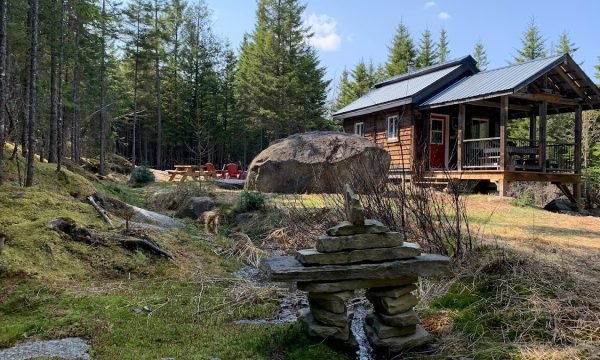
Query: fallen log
[(134, 244), (101, 211)]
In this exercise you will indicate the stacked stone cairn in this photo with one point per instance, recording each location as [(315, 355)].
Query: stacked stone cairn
[(360, 253)]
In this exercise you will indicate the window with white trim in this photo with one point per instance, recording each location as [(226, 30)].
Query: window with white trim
[(392, 127), (359, 128)]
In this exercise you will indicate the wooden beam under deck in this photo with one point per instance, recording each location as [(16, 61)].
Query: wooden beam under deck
[(498, 175)]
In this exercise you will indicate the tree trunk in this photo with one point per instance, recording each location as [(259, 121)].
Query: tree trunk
[(135, 87), (54, 77), (59, 123), (103, 126), (75, 147), (32, 91), (157, 85), (3, 88)]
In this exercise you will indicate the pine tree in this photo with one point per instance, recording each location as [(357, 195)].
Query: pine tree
[(402, 53), (480, 55), (344, 89), (532, 44), (597, 74), (280, 81), (32, 88), (427, 54), (565, 46), (443, 51)]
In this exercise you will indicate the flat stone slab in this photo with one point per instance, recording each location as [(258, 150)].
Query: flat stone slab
[(384, 331), (393, 306), (399, 320), (314, 257), (397, 344), (347, 228), (332, 287), (333, 302), (287, 268), (326, 317), (331, 244), (315, 329), (392, 291)]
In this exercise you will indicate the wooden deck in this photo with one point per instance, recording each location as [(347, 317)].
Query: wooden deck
[(499, 175)]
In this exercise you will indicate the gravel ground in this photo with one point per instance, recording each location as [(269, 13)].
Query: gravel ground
[(68, 349)]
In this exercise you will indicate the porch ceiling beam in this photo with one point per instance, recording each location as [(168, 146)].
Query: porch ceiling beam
[(550, 98), (496, 105), (563, 74)]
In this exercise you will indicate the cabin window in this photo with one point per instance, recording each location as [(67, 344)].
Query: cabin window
[(437, 131), (359, 128), (392, 127), (480, 128)]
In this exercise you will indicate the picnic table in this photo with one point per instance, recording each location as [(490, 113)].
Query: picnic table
[(193, 171)]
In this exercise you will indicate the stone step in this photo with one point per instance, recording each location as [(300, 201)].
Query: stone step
[(287, 268), (330, 244), (311, 257)]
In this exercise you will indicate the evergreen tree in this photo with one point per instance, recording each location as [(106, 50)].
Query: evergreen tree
[(344, 91), (443, 50), (565, 46), (597, 74), (402, 53), (427, 54), (532, 44), (280, 81), (3, 88), (480, 55)]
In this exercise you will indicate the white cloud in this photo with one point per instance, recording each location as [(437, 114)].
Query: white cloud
[(444, 15), (325, 36), (429, 4)]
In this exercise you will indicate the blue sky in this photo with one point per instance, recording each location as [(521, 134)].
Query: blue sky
[(348, 30)]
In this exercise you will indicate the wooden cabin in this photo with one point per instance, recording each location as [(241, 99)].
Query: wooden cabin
[(453, 120)]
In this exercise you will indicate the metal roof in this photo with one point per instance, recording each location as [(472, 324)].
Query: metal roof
[(506, 79), (396, 91)]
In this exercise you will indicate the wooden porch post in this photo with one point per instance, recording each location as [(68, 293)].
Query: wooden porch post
[(532, 126), (542, 135), (578, 140), (460, 154), (503, 122)]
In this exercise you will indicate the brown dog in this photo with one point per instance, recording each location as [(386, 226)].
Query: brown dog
[(210, 220)]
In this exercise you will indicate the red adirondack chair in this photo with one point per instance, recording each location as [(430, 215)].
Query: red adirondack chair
[(232, 172), (210, 167)]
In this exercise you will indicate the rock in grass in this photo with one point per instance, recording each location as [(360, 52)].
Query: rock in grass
[(406, 318), (384, 331), (315, 329), (335, 286), (314, 257), (347, 228), (330, 244), (396, 291), (393, 306), (397, 344), (333, 302)]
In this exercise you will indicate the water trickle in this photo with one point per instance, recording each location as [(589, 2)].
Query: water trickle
[(365, 351)]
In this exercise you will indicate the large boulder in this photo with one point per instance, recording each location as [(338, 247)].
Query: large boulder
[(195, 206), (318, 162)]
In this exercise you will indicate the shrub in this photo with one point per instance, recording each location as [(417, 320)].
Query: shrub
[(252, 201), (523, 200), (141, 176)]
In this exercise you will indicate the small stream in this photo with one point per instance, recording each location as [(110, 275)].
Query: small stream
[(290, 304)]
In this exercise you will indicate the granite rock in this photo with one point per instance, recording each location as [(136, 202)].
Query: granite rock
[(355, 213)]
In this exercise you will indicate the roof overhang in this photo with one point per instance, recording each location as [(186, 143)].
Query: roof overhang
[(374, 108)]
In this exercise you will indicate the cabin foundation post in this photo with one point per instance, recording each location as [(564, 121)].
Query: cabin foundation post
[(502, 186), (577, 195)]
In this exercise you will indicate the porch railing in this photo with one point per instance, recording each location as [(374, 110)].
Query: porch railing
[(481, 153), (522, 154)]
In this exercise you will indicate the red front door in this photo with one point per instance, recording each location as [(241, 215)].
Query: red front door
[(437, 141)]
